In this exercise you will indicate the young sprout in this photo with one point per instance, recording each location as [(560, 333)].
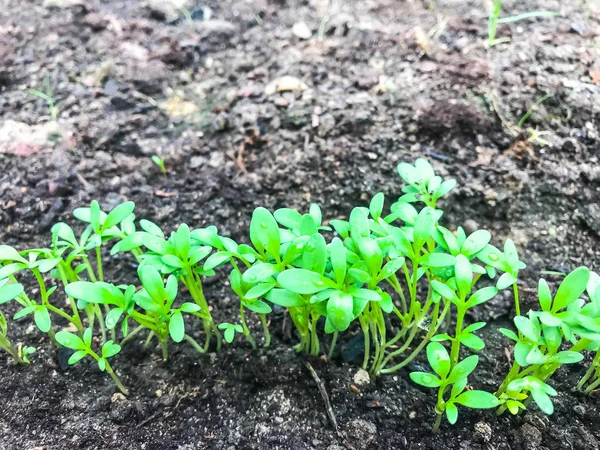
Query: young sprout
[(160, 162), (452, 377), (229, 331), (83, 348), (494, 19), (48, 97), (562, 318), (8, 291)]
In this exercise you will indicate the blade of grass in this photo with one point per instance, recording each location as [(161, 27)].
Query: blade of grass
[(528, 15), (533, 107)]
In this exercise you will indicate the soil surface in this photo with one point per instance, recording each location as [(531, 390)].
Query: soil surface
[(376, 82)]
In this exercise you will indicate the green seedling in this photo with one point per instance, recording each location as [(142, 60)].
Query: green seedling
[(181, 255), (83, 348), (453, 377), (229, 331), (8, 291), (160, 162), (562, 319), (494, 19), (48, 98), (156, 299)]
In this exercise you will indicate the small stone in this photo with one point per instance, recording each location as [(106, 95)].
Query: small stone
[(531, 436), (361, 432), (579, 410), (471, 226), (412, 415), (483, 432), (120, 407), (361, 377), (301, 30)]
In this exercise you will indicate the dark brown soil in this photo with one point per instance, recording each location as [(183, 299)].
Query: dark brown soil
[(122, 75)]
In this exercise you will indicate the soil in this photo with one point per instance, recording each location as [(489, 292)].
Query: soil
[(385, 81)]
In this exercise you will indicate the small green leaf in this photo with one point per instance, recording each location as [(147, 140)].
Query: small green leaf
[(217, 259), (176, 327), (528, 327), (464, 275), (544, 295), (477, 399), (338, 259), (438, 359), (117, 215), (475, 243), (444, 290), (153, 283), (172, 261), (376, 205), (425, 379), (70, 340), (463, 368), (571, 288), (340, 310), (285, 298), (77, 356), (151, 228), (481, 296), (438, 260), (258, 306), (259, 290), (288, 218), (110, 349), (9, 291), (42, 320), (228, 335), (190, 307), (303, 281), (472, 341), (259, 272), (451, 413), (505, 281)]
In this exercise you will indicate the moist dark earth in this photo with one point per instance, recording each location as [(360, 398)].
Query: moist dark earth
[(374, 83)]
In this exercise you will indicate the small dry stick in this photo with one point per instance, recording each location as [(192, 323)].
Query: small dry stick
[(324, 394)]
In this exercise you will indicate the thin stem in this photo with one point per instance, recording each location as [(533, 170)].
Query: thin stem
[(148, 339), (365, 330), (6, 345), (589, 372), (263, 320), (165, 349), (437, 319), (332, 346), (76, 318), (99, 263), (517, 305), (88, 268), (245, 329), (194, 343), (132, 334), (112, 374), (101, 322)]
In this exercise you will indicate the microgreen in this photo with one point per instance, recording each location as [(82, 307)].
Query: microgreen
[(563, 318), (453, 377), (160, 162), (83, 347)]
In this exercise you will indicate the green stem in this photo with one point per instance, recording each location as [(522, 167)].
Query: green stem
[(88, 268), (589, 372), (454, 351), (76, 317), (6, 345), (265, 325), (517, 305), (245, 329), (365, 329), (332, 346), (148, 339), (99, 264), (131, 335), (194, 344), (101, 322), (165, 349), (438, 320)]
